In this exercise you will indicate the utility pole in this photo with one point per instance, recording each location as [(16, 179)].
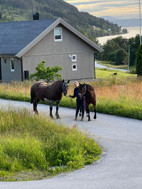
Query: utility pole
[(140, 20), (129, 57)]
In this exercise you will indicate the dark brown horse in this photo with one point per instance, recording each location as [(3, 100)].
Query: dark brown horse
[(43, 91), (88, 92)]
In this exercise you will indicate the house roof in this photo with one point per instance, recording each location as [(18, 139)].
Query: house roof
[(16, 38)]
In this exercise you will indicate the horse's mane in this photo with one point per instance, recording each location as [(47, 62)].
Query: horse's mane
[(56, 85), (89, 87)]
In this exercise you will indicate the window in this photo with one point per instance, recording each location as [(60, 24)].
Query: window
[(74, 58), (58, 34), (12, 66), (4, 60), (74, 67)]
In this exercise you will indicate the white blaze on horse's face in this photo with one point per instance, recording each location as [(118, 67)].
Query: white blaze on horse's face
[(65, 87)]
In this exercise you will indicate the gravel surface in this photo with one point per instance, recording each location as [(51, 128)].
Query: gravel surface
[(120, 166), (97, 65)]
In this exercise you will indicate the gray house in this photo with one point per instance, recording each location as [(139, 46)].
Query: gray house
[(23, 45)]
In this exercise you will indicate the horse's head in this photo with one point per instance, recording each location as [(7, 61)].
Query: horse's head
[(82, 89), (65, 87)]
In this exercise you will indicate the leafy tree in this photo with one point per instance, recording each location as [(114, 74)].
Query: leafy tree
[(112, 56), (112, 51), (120, 56), (46, 73), (134, 45), (139, 61), (108, 48)]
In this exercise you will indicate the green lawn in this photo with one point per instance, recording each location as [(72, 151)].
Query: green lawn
[(109, 74)]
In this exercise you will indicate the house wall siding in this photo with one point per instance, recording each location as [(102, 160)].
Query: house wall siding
[(7, 74), (59, 53)]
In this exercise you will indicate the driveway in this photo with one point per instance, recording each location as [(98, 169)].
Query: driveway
[(120, 166), (97, 65)]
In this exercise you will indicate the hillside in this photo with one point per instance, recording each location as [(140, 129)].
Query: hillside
[(91, 26)]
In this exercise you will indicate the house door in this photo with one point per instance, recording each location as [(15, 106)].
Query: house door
[(0, 70)]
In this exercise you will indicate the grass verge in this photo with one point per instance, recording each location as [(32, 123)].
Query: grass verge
[(34, 147)]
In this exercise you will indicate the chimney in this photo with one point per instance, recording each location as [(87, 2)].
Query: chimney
[(36, 16)]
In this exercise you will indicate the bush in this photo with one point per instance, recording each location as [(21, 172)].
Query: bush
[(120, 56), (139, 61), (46, 73)]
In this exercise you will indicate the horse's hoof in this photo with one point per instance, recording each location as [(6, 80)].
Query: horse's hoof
[(95, 117), (81, 119), (89, 119), (75, 119), (51, 116), (58, 117)]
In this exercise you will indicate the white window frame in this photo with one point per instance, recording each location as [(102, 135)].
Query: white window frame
[(12, 67), (60, 34), (74, 58), (74, 69)]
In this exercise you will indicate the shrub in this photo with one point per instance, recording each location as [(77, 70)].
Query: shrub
[(46, 73), (139, 61)]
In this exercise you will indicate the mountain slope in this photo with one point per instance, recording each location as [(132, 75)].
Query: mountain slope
[(91, 26)]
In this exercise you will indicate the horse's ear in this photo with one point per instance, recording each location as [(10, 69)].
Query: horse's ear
[(68, 81), (63, 80)]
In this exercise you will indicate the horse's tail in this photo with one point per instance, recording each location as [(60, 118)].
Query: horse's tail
[(32, 93)]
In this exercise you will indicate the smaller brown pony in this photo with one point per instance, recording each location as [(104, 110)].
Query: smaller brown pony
[(88, 92), (43, 91)]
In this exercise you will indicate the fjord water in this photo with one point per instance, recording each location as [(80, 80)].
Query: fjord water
[(132, 32)]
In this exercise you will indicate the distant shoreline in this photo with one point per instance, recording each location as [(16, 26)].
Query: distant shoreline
[(132, 32)]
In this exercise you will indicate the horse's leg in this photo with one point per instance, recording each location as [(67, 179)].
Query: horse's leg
[(35, 102), (51, 107), (88, 112), (57, 108), (95, 111), (77, 110), (82, 110)]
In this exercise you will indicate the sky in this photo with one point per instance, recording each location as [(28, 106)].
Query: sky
[(122, 9)]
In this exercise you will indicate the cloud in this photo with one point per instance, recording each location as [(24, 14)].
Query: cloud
[(118, 8)]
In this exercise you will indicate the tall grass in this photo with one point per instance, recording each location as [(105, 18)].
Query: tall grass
[(122, 100), (15, 90), (119, 94), (38, 147)]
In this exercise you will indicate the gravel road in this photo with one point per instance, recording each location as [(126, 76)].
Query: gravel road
[(97, 65), (120, 166)]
